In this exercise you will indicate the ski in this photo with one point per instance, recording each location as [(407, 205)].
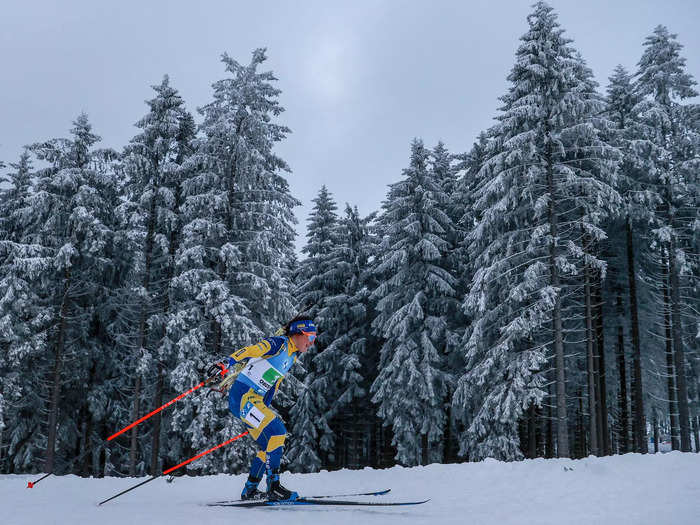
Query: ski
[(313, 502), (377, 493)]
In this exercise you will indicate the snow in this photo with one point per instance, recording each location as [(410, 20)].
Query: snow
[(651, 489)]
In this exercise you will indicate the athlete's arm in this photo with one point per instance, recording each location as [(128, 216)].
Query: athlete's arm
[(247, 352), (264, 348)]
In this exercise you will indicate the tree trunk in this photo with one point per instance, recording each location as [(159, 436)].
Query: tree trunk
[(624, 440), (56, 387), (582, 448), (656, 436), (448, 455), (531, 433), (592, 410), (135, 410), (562, 420), (679, 361), (670, 372), (604, 442), (639, 427), (155, 446)]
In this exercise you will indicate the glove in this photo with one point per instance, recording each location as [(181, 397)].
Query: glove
[(219, 368)]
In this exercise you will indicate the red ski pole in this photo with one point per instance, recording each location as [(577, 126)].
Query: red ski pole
[(168, 471), (31, 484)]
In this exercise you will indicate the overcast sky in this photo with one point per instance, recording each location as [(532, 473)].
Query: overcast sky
[(359, 79)]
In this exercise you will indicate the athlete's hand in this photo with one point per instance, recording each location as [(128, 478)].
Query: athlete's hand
[(219, 368)]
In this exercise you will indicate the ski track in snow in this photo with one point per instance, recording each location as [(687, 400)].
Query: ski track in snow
[(656, 489)]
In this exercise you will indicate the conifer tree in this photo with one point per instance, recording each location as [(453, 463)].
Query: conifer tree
[(348, 362), (414, 298), (72, 220), (22, 324), (316, 282), (668, 144), (546, 169), (149, 216), (239, 137)]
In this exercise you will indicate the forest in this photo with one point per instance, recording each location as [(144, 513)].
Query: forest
[(535, 295)]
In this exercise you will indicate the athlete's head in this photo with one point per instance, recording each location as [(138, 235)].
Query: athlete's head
[(302, 331)]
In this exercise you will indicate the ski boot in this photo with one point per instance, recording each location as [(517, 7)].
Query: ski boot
[(275, 490), (250, 491)]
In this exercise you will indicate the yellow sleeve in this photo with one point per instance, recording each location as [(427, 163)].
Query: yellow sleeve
[(256, 350)]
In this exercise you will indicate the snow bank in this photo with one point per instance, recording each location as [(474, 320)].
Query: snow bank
[(652, 489)]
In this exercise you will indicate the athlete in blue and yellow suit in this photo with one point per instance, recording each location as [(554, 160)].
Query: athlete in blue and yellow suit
[(266, 364)]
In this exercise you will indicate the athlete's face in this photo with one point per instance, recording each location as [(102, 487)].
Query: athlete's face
[(303, 341)]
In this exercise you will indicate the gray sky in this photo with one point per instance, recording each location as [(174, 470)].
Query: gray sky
[(360, 79)]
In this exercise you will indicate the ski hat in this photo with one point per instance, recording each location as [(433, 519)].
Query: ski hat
[(305, 326)]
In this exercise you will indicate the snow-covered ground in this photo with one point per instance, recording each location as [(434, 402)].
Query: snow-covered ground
[(656, 489)]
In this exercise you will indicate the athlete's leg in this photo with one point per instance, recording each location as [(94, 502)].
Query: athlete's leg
[(268, 431), (257, 466)]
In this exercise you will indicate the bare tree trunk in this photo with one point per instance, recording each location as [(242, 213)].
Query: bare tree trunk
[(670, 372), (424, 449), (135, 411), (679, 361), (532, 432), (656, 435), (622, 371), (592, 410), (155, 444), (448, 454), (582, 448), (562, 420), (604, 442), (550, 427), (56, 387), (639, 427)]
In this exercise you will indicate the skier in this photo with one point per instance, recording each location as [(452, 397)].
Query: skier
[(266, 364)]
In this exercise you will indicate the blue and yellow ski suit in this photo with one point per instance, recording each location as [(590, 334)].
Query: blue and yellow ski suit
[(266, 364)]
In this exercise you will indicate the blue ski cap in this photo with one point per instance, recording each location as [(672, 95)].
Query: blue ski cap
[(302, 327)]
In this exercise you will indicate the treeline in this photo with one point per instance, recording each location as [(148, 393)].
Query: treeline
[(536, 296)]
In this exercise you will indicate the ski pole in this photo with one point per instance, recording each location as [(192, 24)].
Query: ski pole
[(31, 484), (168, 471), (166, 405)]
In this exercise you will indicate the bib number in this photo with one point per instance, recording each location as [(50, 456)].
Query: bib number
[(252, 415)]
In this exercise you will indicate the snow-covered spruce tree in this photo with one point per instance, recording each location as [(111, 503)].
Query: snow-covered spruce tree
[(71, 217), (461, 205), (149, 219), (350, 361), (415, 297), (544, 174), (340, 369), (446, 167), (668, 142), (311, 446), (239, 136), (22, 326)]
